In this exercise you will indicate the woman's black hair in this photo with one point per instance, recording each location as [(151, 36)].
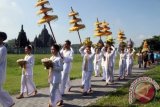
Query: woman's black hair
[(29, 47), (57, 47), (68, 42)]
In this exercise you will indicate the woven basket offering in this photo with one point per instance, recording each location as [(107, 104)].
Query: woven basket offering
[(47, 62), (21, 62)]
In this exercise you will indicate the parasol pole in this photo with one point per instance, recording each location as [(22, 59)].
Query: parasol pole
[(52, 32), (54, 37), (100, 38), (79, 36)]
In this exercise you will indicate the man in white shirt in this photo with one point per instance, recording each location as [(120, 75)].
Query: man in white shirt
[(67, 55), (5, 98)]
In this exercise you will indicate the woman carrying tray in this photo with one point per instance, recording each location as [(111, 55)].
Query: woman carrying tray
[(55, 77), (27, 84)]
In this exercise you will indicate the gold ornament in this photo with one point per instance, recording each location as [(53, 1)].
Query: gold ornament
[(145, 46), (46, 18), (121, 36), (87, 42)]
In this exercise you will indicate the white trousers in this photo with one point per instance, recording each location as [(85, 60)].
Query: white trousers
[(97, 69), (87, 80), (104, 73), (83, 77), (109, 74), (65, 82), (5, 98), (27, 84), (129, 68), (122, 68), (55, 94)]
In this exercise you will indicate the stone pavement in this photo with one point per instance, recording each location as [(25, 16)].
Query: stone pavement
[(75, 98)]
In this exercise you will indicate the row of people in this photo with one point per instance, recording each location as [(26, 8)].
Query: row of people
[(58, 75), (147, 58), (105, 57)]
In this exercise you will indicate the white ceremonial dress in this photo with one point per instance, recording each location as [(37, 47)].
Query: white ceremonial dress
[(67, 65), (97, 63), (27, 84), (122, 65), (129, 62), (109, 64), (87, 68), (55, 80), (5, 98)]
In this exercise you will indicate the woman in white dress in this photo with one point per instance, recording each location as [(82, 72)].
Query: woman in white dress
[(55, 77), (27, 84), (5, 98)]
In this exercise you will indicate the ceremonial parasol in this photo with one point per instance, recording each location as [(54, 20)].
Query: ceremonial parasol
[(106, 29), (121, 38), (46, 18), (145, 46), (75, 21), (98, 29)]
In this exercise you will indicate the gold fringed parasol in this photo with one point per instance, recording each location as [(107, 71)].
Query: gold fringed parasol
[(98, 29), (75, 20), (46, 18), (121, 38), (106, 29), (145, 46), (102, 29)]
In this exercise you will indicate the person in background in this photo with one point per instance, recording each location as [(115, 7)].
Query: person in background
[(5, 98), (145, 59), (67, 54), (27, 84), (152, 57), (140, 59), (149, 58), (55, 77)]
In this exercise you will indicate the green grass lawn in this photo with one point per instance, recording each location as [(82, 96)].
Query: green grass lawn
[(120, 97), (13, 78)]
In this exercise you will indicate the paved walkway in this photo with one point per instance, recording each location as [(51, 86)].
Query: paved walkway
[(75, 98)]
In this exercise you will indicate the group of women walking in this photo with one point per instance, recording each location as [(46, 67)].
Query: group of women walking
[(58, 74)]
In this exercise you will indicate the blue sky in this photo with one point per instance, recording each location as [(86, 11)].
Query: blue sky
[(139, 19)]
